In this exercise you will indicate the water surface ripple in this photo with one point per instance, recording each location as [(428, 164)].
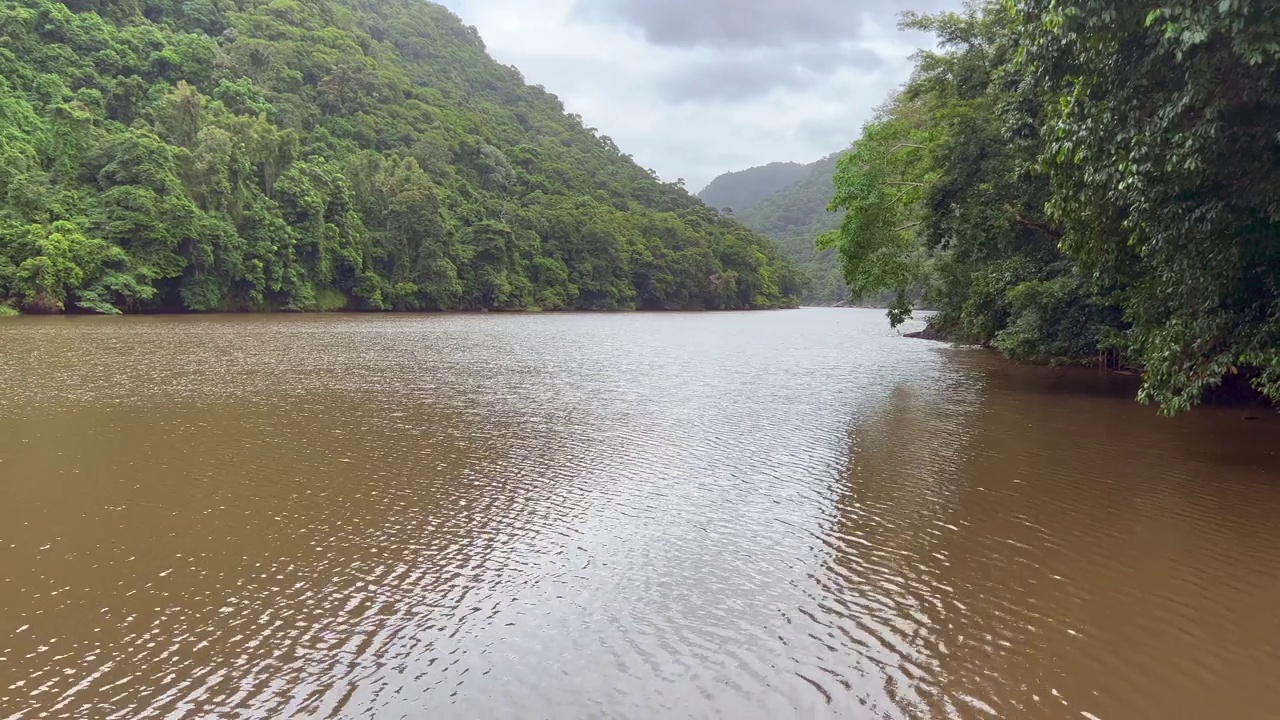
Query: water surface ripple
[(754, 515)]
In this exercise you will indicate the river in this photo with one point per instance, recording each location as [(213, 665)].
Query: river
[(747, 515)]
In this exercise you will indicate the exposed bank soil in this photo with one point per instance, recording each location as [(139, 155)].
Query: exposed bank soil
[(928, 333)]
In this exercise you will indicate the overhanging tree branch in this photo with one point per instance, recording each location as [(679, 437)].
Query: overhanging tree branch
[(899, 196), (1046, 229)]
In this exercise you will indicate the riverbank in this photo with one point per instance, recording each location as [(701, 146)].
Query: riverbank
[(11, 311), (928, 333)]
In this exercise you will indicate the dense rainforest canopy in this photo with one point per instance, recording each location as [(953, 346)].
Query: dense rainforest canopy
[(166, 155), (1084, 179), (788, 202)]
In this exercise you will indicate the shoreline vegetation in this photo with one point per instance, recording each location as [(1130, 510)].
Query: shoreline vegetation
[(289, 155), (1064, 213), (10, 311)]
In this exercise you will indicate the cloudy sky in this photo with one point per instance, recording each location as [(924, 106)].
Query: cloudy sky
[(694, 88)]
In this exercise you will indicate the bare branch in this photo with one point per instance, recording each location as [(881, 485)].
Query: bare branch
[(908, 226), (899, 196), (1046, 229)]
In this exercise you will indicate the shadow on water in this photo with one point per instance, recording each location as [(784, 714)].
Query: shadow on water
[(1222, 432), (1033, 545), (1055, 381)]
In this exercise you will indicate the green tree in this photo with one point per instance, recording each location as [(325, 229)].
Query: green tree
[(1165, 177), (59, 265)]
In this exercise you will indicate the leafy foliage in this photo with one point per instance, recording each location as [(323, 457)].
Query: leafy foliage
[(1072, 178), (1166, 176), (326, 154)]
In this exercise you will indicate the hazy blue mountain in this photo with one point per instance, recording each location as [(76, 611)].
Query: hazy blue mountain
[(793, 212), (744, 188)]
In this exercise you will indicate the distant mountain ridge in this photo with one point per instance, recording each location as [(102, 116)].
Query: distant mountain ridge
[(788, 202), (743, 188)]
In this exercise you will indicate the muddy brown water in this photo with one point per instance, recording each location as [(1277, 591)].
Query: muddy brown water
[(756, 515)]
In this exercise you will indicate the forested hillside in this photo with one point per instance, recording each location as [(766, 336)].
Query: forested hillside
[(788, 202), (158, 155), (738, 190), (1085, 181), (795, 217)]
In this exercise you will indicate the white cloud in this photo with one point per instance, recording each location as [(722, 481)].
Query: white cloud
[(695, 106)]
